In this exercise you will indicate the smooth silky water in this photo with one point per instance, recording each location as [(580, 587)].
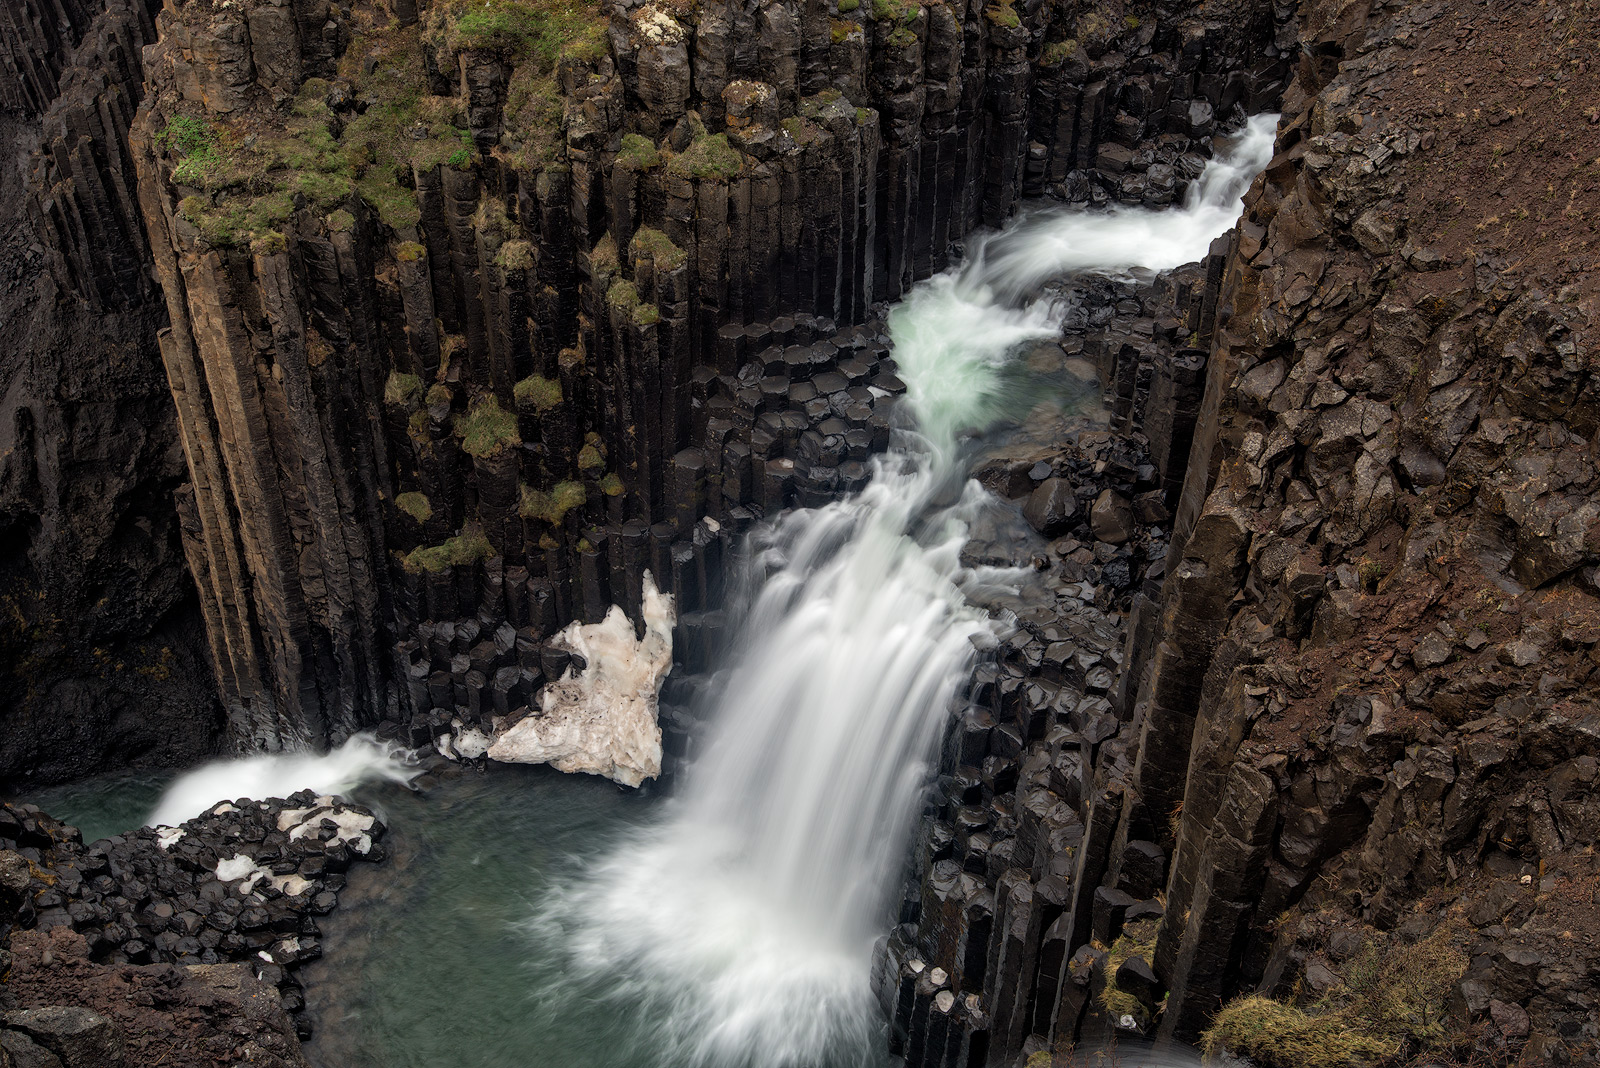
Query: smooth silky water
[(531, 918)]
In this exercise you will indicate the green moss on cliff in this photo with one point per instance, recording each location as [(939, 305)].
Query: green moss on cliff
[(638, 152), (710, 157), (537, 392), (402, 390), (1139, 940), (1393, 999), (611, 485), (546, 30), (515, 256), (488, 429), (623, 296), (467, 547), (415, 505), (552, 506), (1003, 15), (666, 255)]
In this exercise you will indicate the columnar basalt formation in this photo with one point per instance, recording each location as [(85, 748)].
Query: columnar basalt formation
[(476, 315), (102, 652), (1351, 751), (173, 942)]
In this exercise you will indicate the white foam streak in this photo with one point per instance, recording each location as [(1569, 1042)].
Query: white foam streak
[(359, 760), (1056, 241), (746, 920)]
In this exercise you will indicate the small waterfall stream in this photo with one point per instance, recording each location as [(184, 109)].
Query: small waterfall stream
[(745, 920)]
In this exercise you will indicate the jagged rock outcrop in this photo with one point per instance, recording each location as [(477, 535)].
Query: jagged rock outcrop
[(185, 940)]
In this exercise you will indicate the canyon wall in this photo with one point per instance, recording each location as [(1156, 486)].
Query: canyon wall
[(102, 648), (477, 315), (1345, 754)]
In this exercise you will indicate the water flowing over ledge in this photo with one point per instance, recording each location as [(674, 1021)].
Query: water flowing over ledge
[(745, 920)]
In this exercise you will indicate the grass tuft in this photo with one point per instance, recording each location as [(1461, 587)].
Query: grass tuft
[(415, 505), (488, 429), (467, 547), (552, 506), (537, 392), (666, 255)]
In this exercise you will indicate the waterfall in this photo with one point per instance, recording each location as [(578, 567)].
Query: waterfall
[(745, 919), (361, 759)]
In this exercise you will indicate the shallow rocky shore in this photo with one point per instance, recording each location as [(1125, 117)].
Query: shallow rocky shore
[(179, 943)]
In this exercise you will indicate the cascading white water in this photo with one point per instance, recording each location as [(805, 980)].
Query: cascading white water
[(745, 920), (359, 760)]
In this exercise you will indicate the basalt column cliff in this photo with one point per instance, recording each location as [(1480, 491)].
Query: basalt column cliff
[(479, 313)]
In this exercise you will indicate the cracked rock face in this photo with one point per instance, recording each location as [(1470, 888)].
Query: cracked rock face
[(601, 720)]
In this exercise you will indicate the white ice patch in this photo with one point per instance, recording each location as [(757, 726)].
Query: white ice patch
[(603, 721), (473, 743), (243, 869), (168, 837)]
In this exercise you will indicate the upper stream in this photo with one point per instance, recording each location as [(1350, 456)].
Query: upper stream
[(530, 918)]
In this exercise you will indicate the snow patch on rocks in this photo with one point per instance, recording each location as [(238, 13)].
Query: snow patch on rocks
[(602, 721)]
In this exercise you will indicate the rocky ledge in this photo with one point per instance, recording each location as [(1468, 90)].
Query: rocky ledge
[(172, 945)]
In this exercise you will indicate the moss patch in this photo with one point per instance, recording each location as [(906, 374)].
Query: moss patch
[(1393, 999), (1003, 14), (1139, 940), (415, 505), (402, 390), (515, 255), (488, 429), (638, 152), (623, 296), (709, 156), (589, 459), (546, 30), (611, 485), (537, 392), (467, 547), (666, 255), (552, 506)]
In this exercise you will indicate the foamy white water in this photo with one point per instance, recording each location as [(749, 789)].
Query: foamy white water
[(359, 760), (745, 921)]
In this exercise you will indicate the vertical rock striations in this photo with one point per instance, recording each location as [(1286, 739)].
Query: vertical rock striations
[(102, 657), (478, 313), (1347, 757)]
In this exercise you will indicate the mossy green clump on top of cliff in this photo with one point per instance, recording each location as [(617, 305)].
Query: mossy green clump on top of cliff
[(1003, 14), (709, 156), (1139, 940), (468, 547), (638, 152), (546, 30), (402, 390), (899, 12), (1393, 1000), (416, 505), (623, 296), (552, 506), (515, 255), (537, 392), (611, 484), (488, 429), (648, 241)]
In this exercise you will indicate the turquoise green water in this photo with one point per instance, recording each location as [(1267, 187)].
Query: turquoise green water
[(106, 805)]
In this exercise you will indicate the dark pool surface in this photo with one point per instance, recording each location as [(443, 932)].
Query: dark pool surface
[(427, 963), (104, 805)]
